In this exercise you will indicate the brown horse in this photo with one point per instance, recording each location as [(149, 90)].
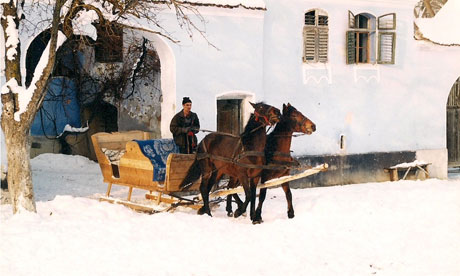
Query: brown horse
[(236, 156), (277, 152)]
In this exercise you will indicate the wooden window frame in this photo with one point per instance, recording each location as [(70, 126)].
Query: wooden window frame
[(367, 46), (354, 59)]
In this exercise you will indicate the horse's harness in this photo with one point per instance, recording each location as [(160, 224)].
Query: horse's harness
[(236, 158)]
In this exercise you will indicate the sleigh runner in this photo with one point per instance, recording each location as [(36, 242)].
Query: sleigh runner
[(123, 163)]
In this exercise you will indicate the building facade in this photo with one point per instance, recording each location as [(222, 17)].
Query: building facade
[(378, 96)]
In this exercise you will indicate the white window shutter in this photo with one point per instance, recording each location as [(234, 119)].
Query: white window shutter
[(387, 22), (309, 42), (386, 50), (351, 20), (323, 41)]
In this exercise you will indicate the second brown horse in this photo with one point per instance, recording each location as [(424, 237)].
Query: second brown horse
[(278, 152)]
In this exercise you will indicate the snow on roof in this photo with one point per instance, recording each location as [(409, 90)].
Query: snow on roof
[(248, 4), (443, 28)]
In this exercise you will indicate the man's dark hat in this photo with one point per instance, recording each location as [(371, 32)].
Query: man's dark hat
[(186, 100)]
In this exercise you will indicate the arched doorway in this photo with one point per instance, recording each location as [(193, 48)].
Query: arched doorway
[(453, 125)]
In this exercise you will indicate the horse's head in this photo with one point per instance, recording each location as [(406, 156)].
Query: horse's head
[(266, 114), (300, 123)]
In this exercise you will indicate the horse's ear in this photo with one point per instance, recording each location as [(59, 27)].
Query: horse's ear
[(253, 105), (285, 108), (289, 104)]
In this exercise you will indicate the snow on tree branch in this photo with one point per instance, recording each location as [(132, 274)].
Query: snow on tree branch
[(12, 40), (25, 95)]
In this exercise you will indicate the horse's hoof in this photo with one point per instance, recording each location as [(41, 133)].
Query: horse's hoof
[(201, 211), (237, 214), (230, 214), (257, 215), (291, 214), (257, 221)]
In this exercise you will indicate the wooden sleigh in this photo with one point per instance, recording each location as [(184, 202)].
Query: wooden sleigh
[(135, 170)]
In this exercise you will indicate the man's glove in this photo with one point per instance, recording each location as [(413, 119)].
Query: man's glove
[(195, 129)]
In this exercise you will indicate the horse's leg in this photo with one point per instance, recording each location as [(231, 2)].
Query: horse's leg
[(247, 191), (205, 196), (205, 187), (253, 186), (288, 193), (232, 183), (228, 207), (262, 196), (238, 200)]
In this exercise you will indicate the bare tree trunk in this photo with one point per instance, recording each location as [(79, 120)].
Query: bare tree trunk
[(16, 132), (19, 172), (16, 137)]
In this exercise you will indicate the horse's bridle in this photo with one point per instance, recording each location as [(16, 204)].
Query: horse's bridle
[(302, 123), (266, 119)]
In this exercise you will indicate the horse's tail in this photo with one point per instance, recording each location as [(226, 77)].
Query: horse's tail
[(193, 174)]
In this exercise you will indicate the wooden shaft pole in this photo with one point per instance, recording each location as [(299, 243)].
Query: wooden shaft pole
[(274, 182)]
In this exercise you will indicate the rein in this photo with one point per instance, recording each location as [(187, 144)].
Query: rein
[(292, 135)]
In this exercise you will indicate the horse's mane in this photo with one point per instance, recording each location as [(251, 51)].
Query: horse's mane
[(250, 126), (248, 129), (282, 125)]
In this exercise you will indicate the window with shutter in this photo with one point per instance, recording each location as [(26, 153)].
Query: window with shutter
[(315, 36), (358, 39), (371, 40)]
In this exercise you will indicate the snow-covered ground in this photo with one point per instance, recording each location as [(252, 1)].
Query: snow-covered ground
[(391, 228)]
